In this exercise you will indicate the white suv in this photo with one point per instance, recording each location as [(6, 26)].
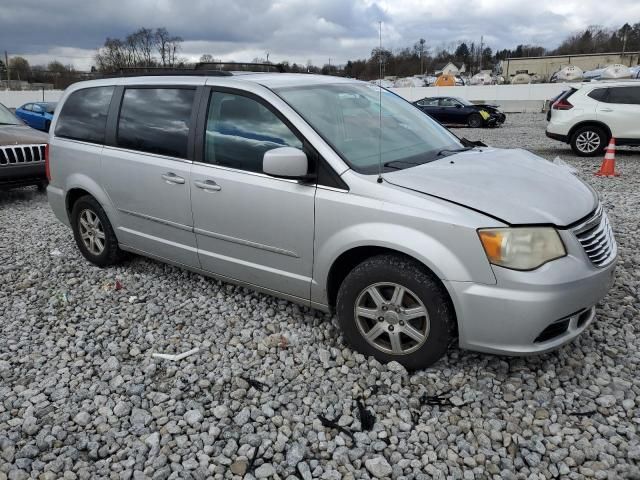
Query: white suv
[(588, 116)]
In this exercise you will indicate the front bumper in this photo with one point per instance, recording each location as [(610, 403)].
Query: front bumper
[(20, 175), (531, 312)]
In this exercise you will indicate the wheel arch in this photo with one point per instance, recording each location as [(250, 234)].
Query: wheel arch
[(352, 257), (587, 123)]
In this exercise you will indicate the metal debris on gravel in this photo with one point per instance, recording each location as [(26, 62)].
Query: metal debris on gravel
[(81, 396)]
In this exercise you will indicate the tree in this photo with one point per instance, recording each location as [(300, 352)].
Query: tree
[(142, 48), (20, 68), (206, 58)]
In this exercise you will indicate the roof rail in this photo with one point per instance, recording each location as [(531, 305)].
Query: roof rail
[(278, 66), (163, 71)]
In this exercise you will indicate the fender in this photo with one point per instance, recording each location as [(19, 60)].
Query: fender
[(432, 253)]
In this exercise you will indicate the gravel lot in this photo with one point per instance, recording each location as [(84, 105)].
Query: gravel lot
[(82, 397)]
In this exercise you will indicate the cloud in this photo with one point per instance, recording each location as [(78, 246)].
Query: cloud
[(295, 30)]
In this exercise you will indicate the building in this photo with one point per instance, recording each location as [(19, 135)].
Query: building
[(448, 69), (547, 66)]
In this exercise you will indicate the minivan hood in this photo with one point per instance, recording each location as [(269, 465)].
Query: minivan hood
[(514, 186)]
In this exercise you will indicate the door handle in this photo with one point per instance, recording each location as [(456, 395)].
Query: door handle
[(172, 178), (208, 185), (606, 110)]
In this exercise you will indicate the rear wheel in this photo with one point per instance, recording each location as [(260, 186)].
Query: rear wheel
[(474, 120), (390, 307), (93, 233), (589, 141)]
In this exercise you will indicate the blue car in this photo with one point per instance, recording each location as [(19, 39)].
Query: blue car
[(37, 115)]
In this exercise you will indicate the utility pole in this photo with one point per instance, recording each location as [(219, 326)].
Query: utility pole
[(6, 62), (481, 51), (267, 57)]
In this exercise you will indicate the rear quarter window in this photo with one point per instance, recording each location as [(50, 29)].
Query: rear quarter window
[(84, 115), (599, 94)]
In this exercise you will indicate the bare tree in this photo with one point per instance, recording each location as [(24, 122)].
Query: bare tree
[(167, 47)]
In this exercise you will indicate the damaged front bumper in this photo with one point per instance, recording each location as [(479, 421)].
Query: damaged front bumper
[(530, 312)]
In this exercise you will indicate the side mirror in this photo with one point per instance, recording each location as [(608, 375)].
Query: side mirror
[(286, 162)]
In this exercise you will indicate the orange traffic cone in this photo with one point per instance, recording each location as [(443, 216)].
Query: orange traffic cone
[(608, 167)]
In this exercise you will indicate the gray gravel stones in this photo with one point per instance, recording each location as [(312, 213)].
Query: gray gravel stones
[(82, 398), (378, 467)]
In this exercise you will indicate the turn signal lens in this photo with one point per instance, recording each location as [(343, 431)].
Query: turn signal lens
[(521, 248)]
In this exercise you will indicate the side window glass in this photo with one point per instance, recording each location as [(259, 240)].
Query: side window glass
[(156, 120), (84, 115), (28, 107), (626, 95), (240, 130), (447, 102)]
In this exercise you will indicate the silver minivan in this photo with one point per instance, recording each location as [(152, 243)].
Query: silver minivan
[(337, 195)]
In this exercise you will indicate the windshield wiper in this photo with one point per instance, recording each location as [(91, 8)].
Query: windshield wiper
[(453, 150), (396, 164)]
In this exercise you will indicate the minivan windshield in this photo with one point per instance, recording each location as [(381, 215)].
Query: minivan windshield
[(8, 118), (348, 116)]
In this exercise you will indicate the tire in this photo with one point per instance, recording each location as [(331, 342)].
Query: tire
[(474, 120), (87, 209), (385, 273), (42, 186), (589, 141)]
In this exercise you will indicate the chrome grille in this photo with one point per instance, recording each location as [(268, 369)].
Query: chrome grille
[(596, 237), (21, 154)]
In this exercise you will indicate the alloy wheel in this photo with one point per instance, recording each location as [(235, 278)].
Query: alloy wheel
[(91, 232), (588, 141), (392, 318)]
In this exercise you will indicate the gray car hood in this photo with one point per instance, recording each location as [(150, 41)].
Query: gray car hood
[(514, 186), (21, 135)]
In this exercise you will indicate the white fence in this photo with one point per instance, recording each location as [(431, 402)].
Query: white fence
[(512, 98), (13, 99)]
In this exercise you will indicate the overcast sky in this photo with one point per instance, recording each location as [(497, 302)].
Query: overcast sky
[(296, 30)]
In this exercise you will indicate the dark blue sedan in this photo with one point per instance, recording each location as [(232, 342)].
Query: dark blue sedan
[(37, 115), (455, 110)]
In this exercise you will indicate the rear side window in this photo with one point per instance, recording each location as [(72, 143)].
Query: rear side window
[(156, 120), (628, 95), (84, 115), (599, 94)]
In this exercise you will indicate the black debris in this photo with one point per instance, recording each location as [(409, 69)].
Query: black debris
[(435, 400), (252, 462), (415, 416), (332, 424), (587, 413), (367, 419), (262, 387)]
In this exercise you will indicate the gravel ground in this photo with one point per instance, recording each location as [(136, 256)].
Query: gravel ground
[(82, 397)]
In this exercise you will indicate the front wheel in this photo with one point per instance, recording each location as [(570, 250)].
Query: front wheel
[(474, 120), (392, 308)]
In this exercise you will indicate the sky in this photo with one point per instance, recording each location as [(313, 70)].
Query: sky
[(70, 31)]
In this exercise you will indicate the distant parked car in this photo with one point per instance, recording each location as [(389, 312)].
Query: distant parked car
[(37, 115), (22, 151), (455, 110), (588, 116)]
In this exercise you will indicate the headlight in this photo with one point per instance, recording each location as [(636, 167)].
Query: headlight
[(521, 248)]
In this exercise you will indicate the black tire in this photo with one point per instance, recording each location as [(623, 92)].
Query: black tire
[(475, 120), (420, 282), (582, 134), (111, 253), (42, 186)]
